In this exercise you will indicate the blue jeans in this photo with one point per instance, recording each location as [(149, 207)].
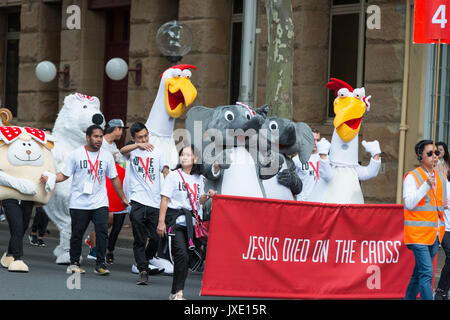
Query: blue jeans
[(423, 271)]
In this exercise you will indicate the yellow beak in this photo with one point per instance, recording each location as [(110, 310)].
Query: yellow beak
[(179, 93), (349, 112)]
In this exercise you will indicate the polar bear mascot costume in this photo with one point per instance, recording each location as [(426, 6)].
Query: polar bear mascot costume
[(77, 114)]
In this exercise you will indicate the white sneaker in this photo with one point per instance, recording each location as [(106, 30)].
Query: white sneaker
[(177, 296), (162, 264), (151, 268)]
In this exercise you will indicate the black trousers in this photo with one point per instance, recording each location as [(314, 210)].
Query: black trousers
[(181, 257), (444, 281), (80, 222), (144, 220), (118, 219), (18, 215), (40, 222)]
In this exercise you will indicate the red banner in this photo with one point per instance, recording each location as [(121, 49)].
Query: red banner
[(287, 249), (431, 21)]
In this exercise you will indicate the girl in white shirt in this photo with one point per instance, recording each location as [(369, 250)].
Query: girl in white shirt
[(175, 207)]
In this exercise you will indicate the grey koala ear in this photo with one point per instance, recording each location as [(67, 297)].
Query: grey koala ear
[(305, 139), (200, 117), (263, 110)]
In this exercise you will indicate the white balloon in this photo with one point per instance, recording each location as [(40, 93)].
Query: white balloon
[(116, 69), (45, 71)]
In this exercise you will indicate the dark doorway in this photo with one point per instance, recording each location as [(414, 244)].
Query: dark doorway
[(117, 42)]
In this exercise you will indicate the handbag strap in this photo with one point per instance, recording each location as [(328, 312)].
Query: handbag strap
[(189, 194)]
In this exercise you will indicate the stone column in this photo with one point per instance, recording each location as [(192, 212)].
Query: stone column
[(146, 16), (384, 58), (84, 51), (39, 40), (210, 23)]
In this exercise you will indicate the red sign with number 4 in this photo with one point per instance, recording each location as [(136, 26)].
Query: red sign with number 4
[(431, 21)]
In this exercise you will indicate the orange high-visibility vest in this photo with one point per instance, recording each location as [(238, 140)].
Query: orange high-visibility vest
[(426, 219)]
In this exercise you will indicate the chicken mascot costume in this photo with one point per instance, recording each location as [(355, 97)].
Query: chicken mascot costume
[(175, 93), (340, 173), (25, 155)]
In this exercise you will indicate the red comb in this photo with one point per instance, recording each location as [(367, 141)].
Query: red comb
[(181, 67), (336, 84)]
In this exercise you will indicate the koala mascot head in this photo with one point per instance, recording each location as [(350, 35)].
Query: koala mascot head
[(77, 114), (25, 153)]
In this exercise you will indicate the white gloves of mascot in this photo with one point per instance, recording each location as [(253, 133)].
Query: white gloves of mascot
[(323, 146), (373, 147)]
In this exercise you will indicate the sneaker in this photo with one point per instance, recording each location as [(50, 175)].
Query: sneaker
[(109, 258), (92, 254), (101, 270), (439, 295), (41, 243), (176, 296), (2, 217), (143, 278), (74, 268), (33, 239)]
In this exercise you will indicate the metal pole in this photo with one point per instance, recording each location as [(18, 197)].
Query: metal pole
[(248, 53), (436, 93)]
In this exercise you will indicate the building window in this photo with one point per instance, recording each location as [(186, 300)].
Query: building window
[(11, 76), (235, 51), (346, 46), (443, 103)]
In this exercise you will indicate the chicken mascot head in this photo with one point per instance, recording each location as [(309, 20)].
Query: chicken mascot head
[(175, 93)]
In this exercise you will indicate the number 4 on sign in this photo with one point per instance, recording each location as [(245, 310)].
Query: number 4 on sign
[(439, 16)]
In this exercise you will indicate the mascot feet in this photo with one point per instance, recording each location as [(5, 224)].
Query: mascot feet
[(152, 270), (162, 264), (18, 266), (64, 258), (6, 260), (58, 251)]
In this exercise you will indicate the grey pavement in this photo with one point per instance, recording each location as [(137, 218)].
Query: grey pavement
[(48, 281)]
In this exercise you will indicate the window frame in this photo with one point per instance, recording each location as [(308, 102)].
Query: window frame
[(9, 36), (359, 8), (430, 93)]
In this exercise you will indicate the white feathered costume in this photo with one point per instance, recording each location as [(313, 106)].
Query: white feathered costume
[(340, 173), (175, 93)]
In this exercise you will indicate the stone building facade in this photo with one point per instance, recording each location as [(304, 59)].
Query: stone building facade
[(44, 36)]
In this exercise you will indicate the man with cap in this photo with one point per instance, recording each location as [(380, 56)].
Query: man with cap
[(113, 132)]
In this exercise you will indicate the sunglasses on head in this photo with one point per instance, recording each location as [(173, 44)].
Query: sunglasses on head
[(430, 153)]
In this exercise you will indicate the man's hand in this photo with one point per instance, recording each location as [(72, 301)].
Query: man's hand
[(161, 229), (49, 179), (125, 202), (431, 179), (145, 146)]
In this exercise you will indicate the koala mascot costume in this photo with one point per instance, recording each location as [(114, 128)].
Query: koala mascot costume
[(77, 114), (25, 155), (291, 138), (221, 133), (340, 173)]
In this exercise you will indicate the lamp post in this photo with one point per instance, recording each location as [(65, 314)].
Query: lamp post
[(46, 71), (117, 69), (174, 40)]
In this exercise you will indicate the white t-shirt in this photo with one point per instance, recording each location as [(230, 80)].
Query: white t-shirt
[(174, 189), (78, 167), (112, 148), (308, 176), (144, 179)]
